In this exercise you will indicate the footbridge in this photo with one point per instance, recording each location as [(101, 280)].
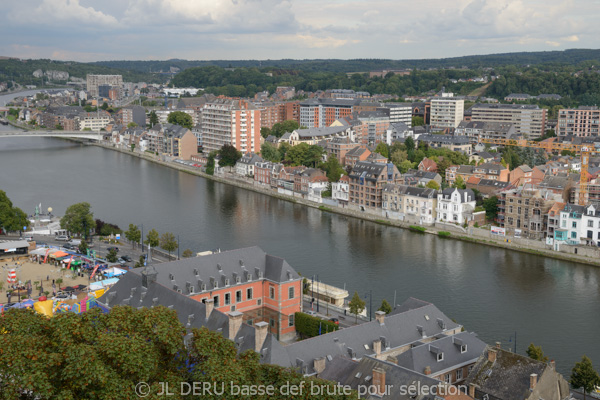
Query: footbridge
[(53, 134)]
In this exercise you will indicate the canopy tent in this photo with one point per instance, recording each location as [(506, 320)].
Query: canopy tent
[(103, 284), (44, 307), (39, 251), (58, 254)]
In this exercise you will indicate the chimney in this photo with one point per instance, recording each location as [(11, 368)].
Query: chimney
[(532, 381), (319, 365), (498, 345), (209, 304), (492, 355), (427, 370), (235, 323), (260, 334), (392, 359), (466, 196), (379, 380), (472, 390), (380, 317), (377, 348)]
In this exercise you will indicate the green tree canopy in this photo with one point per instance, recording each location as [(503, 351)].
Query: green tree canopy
[(382, 149), (584, 376), (417, 121), (333, 168), (385, 307), (459, 183), (112, 256), (280, 128), (132, 125), (356, 305), (210, 165), (490, 206), (168, 241), (152, 238), (536, 353), (11, 218), (181, 118), (187, 253), (78, 219), (433, 185), (269, 152), (133, 234), (153, 118), (229, 156)]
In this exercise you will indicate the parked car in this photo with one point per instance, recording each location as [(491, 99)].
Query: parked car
[(68, 246), (75, 242), (311, 313), (62, 238), (126, 258), (335, 321), (115, 248)]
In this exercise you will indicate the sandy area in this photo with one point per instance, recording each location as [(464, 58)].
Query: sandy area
[(27, 270)]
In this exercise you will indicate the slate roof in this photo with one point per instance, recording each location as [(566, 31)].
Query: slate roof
[(247, 264), (398, 330), (250, 159), (357, 151), (444, 139), (425, 355), (447, 194), (409, 304), (316, 132), (371, 170)]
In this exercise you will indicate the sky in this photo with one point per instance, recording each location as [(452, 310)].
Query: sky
[(94, 30)]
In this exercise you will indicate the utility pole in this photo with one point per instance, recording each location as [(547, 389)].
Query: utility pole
[(177, 247)]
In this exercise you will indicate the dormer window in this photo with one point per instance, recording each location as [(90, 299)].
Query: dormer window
[(463, 348), (440, 357)]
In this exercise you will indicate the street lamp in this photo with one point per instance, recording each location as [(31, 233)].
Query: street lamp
[(370, 294)]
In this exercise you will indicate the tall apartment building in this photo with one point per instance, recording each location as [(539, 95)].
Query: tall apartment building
[(320, 113), (398, 112), (273, 113), (94, 81), (582, 121), (376, 123), (446, 112), (528, 120), (231, 121)]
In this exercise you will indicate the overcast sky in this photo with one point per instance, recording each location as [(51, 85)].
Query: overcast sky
[(91, 30)]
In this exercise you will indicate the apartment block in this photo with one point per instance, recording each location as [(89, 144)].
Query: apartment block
[(398, 112), (583, 121), (410, 203), (231, 121), (528, 120), (273, 113), (446, 112), (95, 81), (367, 180), (319, 113)]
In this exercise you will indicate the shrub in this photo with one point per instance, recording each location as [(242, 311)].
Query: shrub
[(308, 326), (444, 234), (416, 228)]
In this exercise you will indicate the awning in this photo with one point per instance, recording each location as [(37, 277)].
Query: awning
[(58, 254), (40, 252)]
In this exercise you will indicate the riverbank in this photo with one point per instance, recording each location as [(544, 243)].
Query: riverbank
[(590, 256)]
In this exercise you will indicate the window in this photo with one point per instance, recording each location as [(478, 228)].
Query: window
[(590, 224), (564, 224), (574, 224), (447, 378), (463, 348), (216, 301), (249, 294), (573, 235), (291, 320), (291, 292), (459, 374), (227, 298), (271, 292), (238, 296), (440, 357), (272, 322)]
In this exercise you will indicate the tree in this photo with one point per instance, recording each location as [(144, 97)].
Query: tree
[(280, 128), (112, 256), (133, 234), (356, 305), (490, 206), (181, 118), (83, 247), (385, 307), (405, 166), (382, 149), (432, 185), (58, 127), (168, 242), (132, 146), (417, 121), (152, 238), (584, 376), (333, 168), (409, 143), (313, 156), (132, 125), (78, 219), (210, 165), (459, 183), (265, 132), (104, 106), (11, 218), (229, 156), (536, 353), (140, 263), (269, 152), (187, 253), (153, 118)]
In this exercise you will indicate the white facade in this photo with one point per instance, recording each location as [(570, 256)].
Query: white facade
[(93, 121), (582, 224), (401, 113), (455, 205), (340, 190), (446, 112)]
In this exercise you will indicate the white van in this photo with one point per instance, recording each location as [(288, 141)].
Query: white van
[(75, 242)]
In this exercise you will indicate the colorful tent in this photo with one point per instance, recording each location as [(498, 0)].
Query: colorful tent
[(44, 307), (58, 254)]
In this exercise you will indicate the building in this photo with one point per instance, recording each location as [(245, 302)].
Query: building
[(65, 116), (367, 180), (95, 81), (313, 135), (94, 121), (528, 120), (524, 174), (414, 204), (178, 141), (229, 121), (398, 131), (582, 121), (376, 125), (490, 171), (503, 375), (427, 165), (340, 190), (455, 205), (417, 177), (272, 113), (398, 112), (309, 178), (264, 171), (358, 153), (246, 165), (319, 113), (486, 187), (450, 142), (477, 130), (446, 112), (129, 114), (339, 147)]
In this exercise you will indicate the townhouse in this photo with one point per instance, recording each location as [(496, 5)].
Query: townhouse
[(245, 166), (450, 142), (340, 190), (339, 147), (367, 180), (455, 205), (414, 204)]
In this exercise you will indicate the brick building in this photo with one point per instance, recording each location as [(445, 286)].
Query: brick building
[(367, 180)]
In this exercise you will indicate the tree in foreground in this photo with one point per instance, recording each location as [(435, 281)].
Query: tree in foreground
[(333, 168), (83, 247), (583, 376), (536, 353), (432, 185), (187, 253), (133, 234), (357, 305), (78, 219), (11, 218), (112, 256), (210, 165), (180, 118), (229, 156), (168, 242), (385, 307)]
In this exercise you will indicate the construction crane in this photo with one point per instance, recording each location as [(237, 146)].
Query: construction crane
[(584, 150)]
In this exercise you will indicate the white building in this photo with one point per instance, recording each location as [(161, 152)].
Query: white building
[(245, 165), (579, 225), (446, 112), (400, 112), (340, 190), (409, 203), (94, 121), (455, 205)]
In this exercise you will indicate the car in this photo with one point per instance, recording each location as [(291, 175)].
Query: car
[(334, 320), (115, 248), (68, 246), (62, 238), (311, 313), (126, 258), (75, 242), (28, 238), (121, 261)]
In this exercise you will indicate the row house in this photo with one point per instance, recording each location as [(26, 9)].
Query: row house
[(367, 180), (421, 178), (285, 177), (406, 202), (264, 171), (455, 205), (427, 165), (339, 147), (309, 178), (340, 190), (357, 154), (246, 165), (578, 225), (450, 142), (491, 171), (554, 218), (526, 175)]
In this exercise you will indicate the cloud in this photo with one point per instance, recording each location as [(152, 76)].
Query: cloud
[(572, 38), (553, 44), (56, 12)]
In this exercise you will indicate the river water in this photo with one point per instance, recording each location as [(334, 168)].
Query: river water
[(493, 292)]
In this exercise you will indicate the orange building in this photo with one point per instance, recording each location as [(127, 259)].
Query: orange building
[(320, 113), (260, 286)]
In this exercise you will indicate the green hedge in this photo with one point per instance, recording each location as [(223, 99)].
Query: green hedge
[(308, 326), (444, 234), (416, 228)]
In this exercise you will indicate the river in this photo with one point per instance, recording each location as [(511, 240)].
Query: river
[(493, 292)]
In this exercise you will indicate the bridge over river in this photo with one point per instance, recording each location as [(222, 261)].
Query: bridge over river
[(52, 134)]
